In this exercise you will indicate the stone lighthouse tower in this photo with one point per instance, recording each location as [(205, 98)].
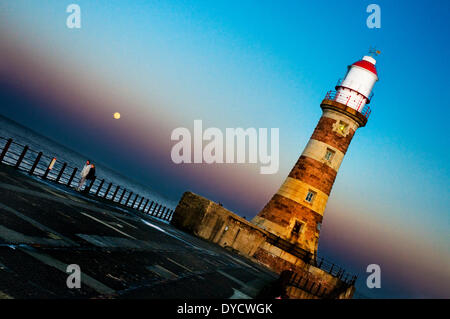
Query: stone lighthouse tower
[(295, 212)]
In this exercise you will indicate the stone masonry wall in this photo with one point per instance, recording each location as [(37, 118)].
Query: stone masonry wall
[(208, 220)]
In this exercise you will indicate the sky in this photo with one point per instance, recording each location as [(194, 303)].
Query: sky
[(261, 64)]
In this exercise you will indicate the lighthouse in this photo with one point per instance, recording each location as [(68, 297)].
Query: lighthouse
[(295, 212)]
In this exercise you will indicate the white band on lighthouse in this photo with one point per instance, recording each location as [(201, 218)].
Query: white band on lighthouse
[(317, 150), (297, 191)]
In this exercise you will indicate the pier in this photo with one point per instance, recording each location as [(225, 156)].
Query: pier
[(121, 241)]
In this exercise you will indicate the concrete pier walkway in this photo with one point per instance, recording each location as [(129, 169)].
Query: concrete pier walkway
[(122, 253)]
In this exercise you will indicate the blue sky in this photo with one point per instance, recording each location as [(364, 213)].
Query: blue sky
[(163, 64)]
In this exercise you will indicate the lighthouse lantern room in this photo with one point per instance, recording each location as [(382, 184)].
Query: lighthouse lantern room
[(355, 90)]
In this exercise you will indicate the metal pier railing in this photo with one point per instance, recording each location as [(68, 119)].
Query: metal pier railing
[(310, 259), (49, 168)]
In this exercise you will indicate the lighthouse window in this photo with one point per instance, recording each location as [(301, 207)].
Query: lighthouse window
[(297, 227), (329, 154), (310, 196)]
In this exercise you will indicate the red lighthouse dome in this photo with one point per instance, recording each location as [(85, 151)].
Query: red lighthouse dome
[(366, 65)]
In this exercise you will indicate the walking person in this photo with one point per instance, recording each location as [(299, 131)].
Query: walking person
[(83, 174), (90, 177)]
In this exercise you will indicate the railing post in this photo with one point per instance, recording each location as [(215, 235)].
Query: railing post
[(128, 199), (157, 212), (140, 203), (145, 206), (121, 196), (149, 207), (5, 149), (49, 167), (71, 176), (107, 190), (22, 155), (152, 211), (115, 193), (61, 172), (331, 269), (36, 162), (347, 278), (320, 264), (88, 189), (99, 187), (166, 213), (134, 202), (160, 213), (155, 209)]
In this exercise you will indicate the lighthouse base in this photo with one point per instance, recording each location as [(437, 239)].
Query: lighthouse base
[(309, 278)]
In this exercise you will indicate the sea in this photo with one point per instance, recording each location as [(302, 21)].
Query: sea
[(39, 143)]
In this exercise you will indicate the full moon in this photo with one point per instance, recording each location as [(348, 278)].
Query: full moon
[(117, 115)]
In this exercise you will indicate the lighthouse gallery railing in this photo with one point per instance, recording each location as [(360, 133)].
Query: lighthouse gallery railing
[(349, 100)]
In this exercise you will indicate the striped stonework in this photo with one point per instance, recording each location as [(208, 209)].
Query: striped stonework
[(296, 211)]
